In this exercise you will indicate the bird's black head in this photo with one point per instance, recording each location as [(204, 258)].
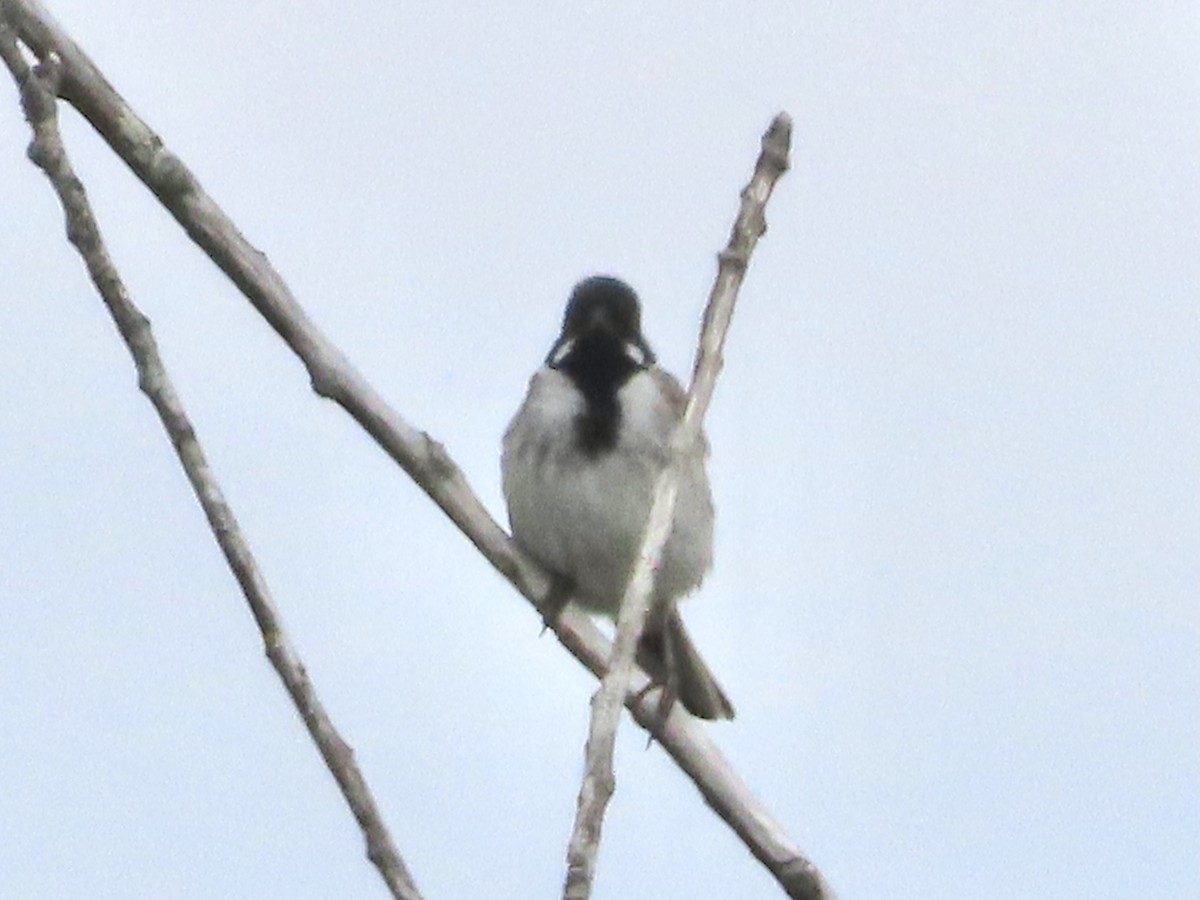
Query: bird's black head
[(600, 348), (603, 302)]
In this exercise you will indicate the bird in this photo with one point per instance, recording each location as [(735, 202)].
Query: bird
[(579, 462)]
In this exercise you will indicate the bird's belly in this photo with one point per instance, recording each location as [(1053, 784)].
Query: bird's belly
[(584, 518)]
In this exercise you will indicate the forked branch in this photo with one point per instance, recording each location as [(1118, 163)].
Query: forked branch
[(38, 86), (85, 87)]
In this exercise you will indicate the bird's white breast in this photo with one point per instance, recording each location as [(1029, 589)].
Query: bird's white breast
[(583, 516)]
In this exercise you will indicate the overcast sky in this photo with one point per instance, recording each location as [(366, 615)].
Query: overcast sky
[(956, 597)]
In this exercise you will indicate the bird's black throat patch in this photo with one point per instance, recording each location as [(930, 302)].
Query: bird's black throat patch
[(599, 365)]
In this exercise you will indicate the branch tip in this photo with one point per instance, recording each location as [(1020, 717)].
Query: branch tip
[(777, 143)]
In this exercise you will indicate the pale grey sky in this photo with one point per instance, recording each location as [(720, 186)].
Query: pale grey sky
[(954, 447)]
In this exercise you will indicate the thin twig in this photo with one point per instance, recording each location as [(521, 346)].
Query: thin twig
[(38, 87), (598, 782), (423, 458)]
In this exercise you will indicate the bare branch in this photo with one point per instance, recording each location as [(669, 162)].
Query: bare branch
[(425, 460), (598, 779), (47, 152)]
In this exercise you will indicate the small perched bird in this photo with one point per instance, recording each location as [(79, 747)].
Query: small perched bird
[(580, 461)]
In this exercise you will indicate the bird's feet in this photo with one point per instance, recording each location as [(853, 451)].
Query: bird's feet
[(657, 657), (556, 599)]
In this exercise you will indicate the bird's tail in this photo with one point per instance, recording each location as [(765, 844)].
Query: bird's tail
[(669, 656)]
